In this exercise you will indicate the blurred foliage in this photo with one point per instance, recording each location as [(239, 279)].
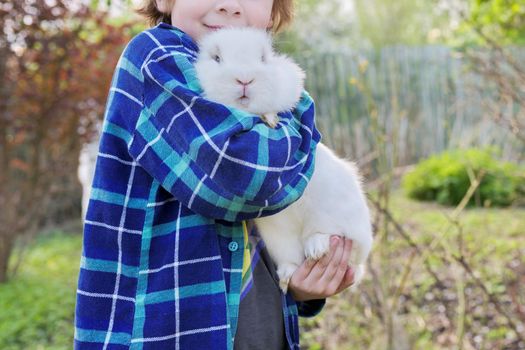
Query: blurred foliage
[(447, 177), (56, 62), (37, 307), (333, 25), (317, 26), (502, 21), (409, 22)]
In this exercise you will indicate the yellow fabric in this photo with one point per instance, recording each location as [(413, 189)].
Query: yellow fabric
[(247, 259)]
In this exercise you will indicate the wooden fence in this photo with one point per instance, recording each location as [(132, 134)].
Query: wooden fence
[(427, 100)]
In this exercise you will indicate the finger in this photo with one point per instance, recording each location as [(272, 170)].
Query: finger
[(333, 267), (334, 275), (347, 281), (308, 273), (321, 264), (303, 270), (346, 254)]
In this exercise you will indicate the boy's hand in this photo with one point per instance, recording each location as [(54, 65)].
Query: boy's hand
[(318, 279)]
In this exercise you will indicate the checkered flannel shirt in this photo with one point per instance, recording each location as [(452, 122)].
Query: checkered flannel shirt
[(176, 175)]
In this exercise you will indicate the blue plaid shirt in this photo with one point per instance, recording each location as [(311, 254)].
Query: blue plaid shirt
[(176, 175)]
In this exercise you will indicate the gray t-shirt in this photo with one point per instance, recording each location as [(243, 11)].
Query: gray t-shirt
[(261, 322)]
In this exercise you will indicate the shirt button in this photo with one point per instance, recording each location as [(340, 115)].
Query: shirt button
[(233, 246)]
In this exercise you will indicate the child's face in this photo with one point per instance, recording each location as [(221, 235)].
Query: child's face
[(198, 17)]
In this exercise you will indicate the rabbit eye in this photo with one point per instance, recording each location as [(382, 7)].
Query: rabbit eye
[(217, 58)]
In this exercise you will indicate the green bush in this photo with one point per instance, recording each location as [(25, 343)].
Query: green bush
[(444, 178)]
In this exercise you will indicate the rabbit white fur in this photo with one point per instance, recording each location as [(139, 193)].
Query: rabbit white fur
[(333, 202)]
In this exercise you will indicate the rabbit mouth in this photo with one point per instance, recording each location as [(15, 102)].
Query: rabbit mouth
[(244, 100)]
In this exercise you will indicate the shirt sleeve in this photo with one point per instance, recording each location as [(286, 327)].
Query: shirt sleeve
[(220, 162), (310, 308)]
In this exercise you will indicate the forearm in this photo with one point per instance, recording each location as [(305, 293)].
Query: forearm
[(207, 155)]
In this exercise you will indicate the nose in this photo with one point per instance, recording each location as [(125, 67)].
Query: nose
[(229, 7), (245, 82)]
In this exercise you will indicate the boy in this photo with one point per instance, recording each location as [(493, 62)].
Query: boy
[(167, 261)]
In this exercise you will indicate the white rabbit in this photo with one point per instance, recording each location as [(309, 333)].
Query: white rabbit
[(333, 202)]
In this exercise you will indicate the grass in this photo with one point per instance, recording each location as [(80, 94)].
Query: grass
[(37, 306)]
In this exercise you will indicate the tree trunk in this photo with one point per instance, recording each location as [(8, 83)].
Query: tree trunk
[(4, 95), (6, 238), (6, 247)]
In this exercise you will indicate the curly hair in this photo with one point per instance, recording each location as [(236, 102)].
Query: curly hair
[(282, 13)]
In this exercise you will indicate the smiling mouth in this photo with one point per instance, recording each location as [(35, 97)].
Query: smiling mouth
[(213, 27)]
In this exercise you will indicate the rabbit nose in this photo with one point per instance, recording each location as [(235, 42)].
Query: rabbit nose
[(244, 82)]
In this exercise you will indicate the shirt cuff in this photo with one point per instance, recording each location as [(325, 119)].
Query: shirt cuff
[(310, 308)]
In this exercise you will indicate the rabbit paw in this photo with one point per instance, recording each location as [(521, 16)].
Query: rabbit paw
[(316, 246), (271, 119), (285, 272)]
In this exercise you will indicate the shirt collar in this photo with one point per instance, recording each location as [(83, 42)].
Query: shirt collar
[(186, 39)]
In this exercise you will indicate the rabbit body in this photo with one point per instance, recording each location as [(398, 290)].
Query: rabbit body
[(237, 67), (333, 203)]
